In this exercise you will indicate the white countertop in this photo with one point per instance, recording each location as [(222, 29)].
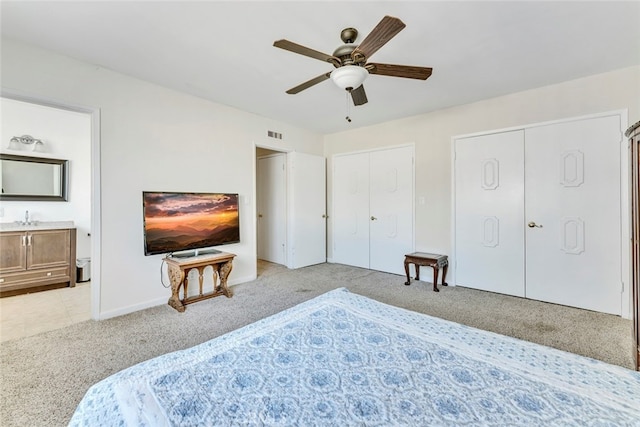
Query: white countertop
[(37, 225)]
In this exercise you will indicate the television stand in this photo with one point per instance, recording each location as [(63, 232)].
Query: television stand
[(221, 262)]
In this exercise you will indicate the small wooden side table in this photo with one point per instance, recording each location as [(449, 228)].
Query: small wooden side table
[(430, 260), (179, 268)]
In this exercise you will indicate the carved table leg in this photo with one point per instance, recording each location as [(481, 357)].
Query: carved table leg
[(200, 279), (406, 270), (435, 278), (225, 269), (176, 276), (444, 274), (417, 270)]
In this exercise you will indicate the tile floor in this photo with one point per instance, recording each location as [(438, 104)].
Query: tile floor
[(30, 314)]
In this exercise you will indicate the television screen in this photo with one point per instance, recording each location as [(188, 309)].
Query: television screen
[(176, 222)]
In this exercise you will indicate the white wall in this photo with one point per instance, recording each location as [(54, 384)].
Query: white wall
[(155, 139), (66, 135), (432, 135)]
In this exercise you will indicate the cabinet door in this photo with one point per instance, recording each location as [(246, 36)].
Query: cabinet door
[(48, 248), (14, 252)]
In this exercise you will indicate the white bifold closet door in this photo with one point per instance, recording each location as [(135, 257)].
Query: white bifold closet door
[(538, 213), (373, 209)]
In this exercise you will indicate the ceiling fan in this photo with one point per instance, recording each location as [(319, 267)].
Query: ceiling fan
[(350, 60)]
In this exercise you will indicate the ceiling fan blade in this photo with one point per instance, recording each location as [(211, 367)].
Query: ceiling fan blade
[(386, 29), (309, 83), (303, 50), (393, 70), (359, 96)]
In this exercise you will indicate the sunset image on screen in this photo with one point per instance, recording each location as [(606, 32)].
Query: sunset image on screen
[(180, 221)]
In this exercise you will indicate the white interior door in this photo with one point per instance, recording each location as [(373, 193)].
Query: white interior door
[(390, 208), (271, 202), (307, 210), (351, 209), (573, 197), (489, 212)]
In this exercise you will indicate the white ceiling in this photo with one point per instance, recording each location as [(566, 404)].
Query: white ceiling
[(223, 51)]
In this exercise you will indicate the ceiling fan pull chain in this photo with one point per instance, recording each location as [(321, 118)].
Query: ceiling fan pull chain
[(348, 105)]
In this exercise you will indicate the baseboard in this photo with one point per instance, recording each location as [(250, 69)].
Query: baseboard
[(238, 280), (160, 301), (133, 308)]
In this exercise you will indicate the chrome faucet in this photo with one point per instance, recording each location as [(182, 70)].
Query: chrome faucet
[(27, 221)]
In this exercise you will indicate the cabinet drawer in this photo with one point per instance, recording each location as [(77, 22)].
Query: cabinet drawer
[(35, 277)]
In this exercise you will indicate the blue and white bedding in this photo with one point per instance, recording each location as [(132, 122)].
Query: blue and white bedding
[(345, 360)]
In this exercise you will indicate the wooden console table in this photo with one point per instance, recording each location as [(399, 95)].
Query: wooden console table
[(430, 260), (179, 268)]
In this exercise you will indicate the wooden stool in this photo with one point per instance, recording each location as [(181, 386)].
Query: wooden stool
[(430, 260)]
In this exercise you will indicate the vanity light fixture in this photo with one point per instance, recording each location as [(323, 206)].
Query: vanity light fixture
[(28, 140)]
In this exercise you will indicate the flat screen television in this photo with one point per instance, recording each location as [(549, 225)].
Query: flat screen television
[(189, 224)]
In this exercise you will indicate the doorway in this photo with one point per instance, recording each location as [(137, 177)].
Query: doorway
[(76, 132), (290, 208), (271, 203)]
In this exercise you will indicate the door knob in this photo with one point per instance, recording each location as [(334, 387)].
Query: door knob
[(259, 215), (325, 216), (533, 224), (373, 218)]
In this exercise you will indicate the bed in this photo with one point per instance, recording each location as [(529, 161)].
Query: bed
[(342, 359)]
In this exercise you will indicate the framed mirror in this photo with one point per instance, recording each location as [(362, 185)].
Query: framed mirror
[(33, 178)]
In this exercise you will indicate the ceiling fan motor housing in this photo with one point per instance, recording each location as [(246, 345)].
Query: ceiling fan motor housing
[(344, 53)]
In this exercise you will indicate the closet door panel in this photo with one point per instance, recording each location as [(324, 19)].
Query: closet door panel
[(351, 210), (391, 208), (489, 212), (573, 197)]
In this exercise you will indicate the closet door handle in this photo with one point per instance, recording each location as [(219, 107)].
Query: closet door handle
[(533, 224), (373, 218)]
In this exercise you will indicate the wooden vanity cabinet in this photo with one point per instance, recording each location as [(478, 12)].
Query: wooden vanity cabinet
[(36, 260)]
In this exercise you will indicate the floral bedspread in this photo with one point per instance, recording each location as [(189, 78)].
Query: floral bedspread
[(345, 360)]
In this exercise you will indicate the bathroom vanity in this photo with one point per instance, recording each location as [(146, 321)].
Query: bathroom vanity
[(37, 257)]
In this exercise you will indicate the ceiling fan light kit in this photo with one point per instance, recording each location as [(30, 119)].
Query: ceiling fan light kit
[(349, 77), (350, 60)]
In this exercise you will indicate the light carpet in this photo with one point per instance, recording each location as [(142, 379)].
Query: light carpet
[(43, 377)]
